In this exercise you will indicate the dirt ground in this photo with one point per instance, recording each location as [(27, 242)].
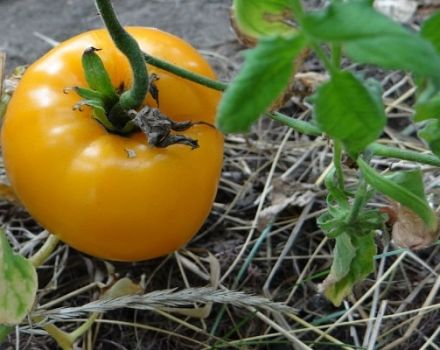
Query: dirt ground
[(203, 23)]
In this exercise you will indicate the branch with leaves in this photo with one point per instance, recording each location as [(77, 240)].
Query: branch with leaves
[(347, 109)]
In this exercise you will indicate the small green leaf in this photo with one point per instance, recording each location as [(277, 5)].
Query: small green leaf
[(88, 94), (265, 74), (18, 284), (362, 251), (430, 30), (344, 253), (99, 114), (431, 134), (97, 77), (370, 37), (412, 180), (337, 220), (336, 194), (263, 18), (346, 110), (405, 187)]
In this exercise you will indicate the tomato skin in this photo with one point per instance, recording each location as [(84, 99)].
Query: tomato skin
[(111, 196)]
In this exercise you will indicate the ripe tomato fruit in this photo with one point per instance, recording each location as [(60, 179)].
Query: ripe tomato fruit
[(111, 196)]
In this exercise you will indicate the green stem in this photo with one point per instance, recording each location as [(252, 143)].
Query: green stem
[(376, 149), (62, 338), (359, 201), (336, 55), (81, 330), (45, 251), (133, 98), (66, 340), (296, 124), (324, 58), (413, 156), (186, 74), (337, 162)]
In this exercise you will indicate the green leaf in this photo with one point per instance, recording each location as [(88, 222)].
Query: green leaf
[(412, 180), (405, 187), (361, 250), (337, 220), (430, 30), (346, 110), (266, 73), (89, 94), (431, 134), (263, 18), (343, 253), (97, 77), (18, 284), (428, 109), (370, 37), (335, 192)]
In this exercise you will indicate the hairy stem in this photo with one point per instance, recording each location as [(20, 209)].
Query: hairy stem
[(393, 152), (337, 162), (359, 201), (186, 74), (296, 124), (133, 98), (376, 149)]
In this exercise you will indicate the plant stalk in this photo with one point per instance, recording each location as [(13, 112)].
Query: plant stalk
[(45, 251), (186, 74), (376, 149), (296, 124), (359, 201), (337, 163), (132, 98)]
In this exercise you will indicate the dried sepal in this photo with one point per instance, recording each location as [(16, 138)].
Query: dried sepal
[(410, 231)]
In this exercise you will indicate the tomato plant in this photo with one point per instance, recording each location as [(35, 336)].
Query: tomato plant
[(112, 196), (349, 110)]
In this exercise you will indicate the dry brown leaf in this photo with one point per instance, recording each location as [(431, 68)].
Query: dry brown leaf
[(305, 84), (284, 194), (292, 86), (244, 39), (123, 287), (409, 230)]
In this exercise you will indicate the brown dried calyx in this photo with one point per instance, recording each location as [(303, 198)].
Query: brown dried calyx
[(158, 128), (409, 230)]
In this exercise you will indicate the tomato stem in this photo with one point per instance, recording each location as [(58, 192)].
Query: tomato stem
[(186, 74), (376, 149), (132, 98)]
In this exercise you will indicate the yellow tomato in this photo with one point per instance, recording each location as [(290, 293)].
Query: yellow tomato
[(111, 196)]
